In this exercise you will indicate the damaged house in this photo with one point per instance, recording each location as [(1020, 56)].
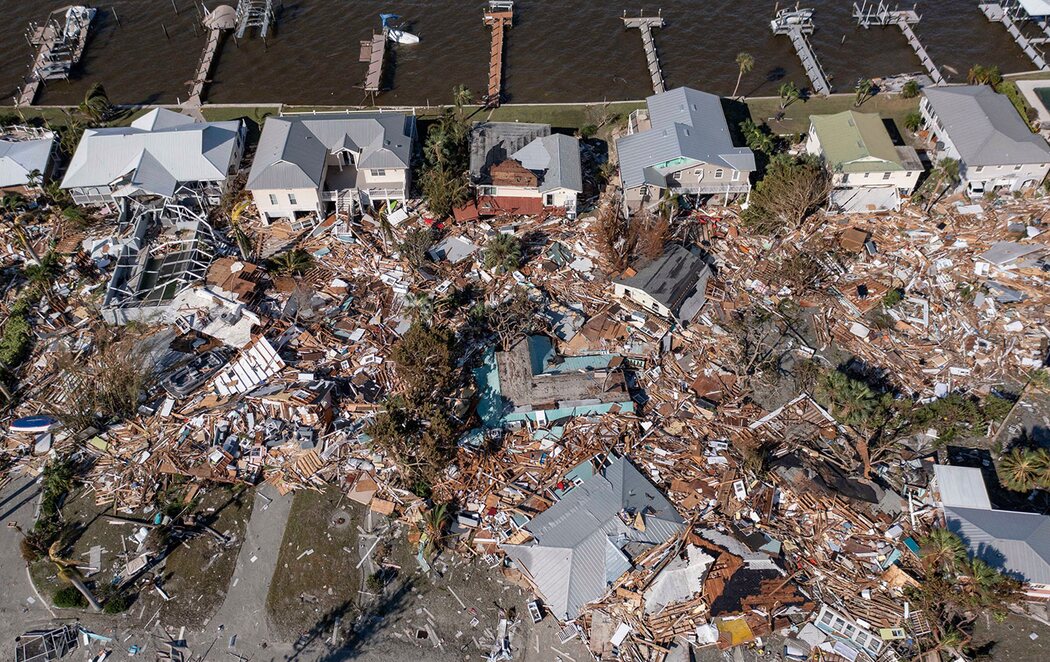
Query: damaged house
[(521, 168), (583, 544), (673, 286), (161, 153), (531, 382)]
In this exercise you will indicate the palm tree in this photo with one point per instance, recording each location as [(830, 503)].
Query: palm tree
[(292, 262), (68, 571), (96, 105), (503, 253), (863, 89), (981, 582), (1022, 469), (789, 93), (386, 229), (945, 177), (745, 62), (981, 75), (435, 521), (34, 178), (851, 401), (942, 551), (421, 306)]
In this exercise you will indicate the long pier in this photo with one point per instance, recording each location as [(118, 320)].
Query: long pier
[(499, 15), (796, 24), (218, 20), (254, 14), (59, 48), (881, 15), (645, 25), (1010, 14)]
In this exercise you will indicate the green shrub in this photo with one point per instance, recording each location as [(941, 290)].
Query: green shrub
[(892, 298), (117, 604), (996, 408), (68, 597), (910, 90), (588, 131)]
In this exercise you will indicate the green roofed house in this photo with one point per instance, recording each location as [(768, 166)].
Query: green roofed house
[(531, 382), (869, 172)]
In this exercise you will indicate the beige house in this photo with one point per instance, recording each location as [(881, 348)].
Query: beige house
[(869, 172), (318, 163), (681, 145)]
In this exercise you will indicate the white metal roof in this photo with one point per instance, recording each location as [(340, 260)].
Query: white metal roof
[(962, 487)]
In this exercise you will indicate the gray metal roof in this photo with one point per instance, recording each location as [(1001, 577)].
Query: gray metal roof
[(187, 151), (555, 158), (984, 126), (1015, 543), (18, 158), (579, 542), (961, 487), (677, 279), (292, 149), (686, 124)]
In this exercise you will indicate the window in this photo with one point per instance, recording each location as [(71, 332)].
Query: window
[(886, 175), (845, 178), (377, 172), (1016, 168), (979, 169), (736, 175), (548, 200), (273, 198), (292, 200), (719, 173)]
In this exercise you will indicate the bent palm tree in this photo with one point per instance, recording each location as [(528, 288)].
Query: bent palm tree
[(96, 105), (1021, 469), (68, 571), (745, 62), (945, 177), (789, 93)]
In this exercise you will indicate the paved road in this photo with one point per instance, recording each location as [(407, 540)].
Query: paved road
[(20, 608), (243, 612)]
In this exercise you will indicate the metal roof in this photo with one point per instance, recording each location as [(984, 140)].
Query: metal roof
[(556, 158), (1015, 543), (292, 149), (984, 126), (579, 545), (686, 124), (676, 279), (856, 142), (961, 487), (187, 151), (18, 158)]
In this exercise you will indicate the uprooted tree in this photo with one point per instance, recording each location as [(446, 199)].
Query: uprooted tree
[(623, 240), (793, 188), (105, 385), (415, 428)]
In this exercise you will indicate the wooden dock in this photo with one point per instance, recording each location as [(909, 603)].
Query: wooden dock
[(499, 16), (56, 54), (373, 51), (645, 25), (999, 13), (796, 24), (219, 20), (881, 15)]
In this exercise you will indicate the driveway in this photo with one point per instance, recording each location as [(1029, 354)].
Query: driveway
[(20, 609)]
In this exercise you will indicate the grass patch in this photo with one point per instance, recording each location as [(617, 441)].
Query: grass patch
[(796, 116), (225, 113), (303, 590)]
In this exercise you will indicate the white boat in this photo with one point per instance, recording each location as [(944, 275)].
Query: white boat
[(396, 34), (77, 18)]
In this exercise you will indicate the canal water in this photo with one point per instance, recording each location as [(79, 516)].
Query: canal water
[(557, 51)]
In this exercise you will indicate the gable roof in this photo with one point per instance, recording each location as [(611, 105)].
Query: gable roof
[(557, 158), (554, 157), (984, 126), (18, 158), (1015, 543), (171, 147), (686, 124), (292, 149), (856, 142), (677, 279), (579, 541)]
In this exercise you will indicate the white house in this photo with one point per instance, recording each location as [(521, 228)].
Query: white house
[(523, 167), (310, 164), (868, 172), (24, 153), (981, 129), (672, 286), (159, 154)]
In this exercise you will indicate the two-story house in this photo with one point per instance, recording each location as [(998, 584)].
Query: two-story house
[(519, 167), (312, 164), (681, 145), (161, 153), (981, 129), (868, 172)]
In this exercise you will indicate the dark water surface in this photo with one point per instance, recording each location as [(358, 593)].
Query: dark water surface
[(558, 50)]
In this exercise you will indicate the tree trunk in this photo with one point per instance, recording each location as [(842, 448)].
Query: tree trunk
[(736, 88), (74, 579)]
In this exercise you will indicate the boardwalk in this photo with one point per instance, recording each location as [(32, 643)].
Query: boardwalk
[(645, 25), (998, 13), (499, 16), (796, 24), (881, 15), (373, 51), (222, 18)]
